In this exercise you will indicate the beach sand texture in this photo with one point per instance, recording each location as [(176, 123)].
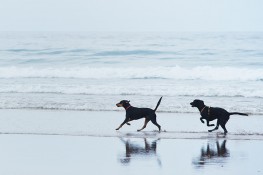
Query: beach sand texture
[(81, 142)]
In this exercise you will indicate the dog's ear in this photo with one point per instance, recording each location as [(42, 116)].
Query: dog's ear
[(201, 102)]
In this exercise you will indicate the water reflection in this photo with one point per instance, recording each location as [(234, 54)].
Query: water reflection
[(213, 153), (139, 149)]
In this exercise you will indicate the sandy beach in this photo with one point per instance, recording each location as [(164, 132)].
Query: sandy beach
[(80, 142)]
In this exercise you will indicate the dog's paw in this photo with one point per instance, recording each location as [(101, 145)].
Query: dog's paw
[(128, 123), (117, 129), (138, 130), (210, 130)]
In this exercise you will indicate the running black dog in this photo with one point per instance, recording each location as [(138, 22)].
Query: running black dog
[(133, 113), (211, 113)]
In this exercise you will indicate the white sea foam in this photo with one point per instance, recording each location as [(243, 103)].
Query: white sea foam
[(92, 71), (212, 90)]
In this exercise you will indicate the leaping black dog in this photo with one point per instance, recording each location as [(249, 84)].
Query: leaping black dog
[(212, 113), (133, 113)]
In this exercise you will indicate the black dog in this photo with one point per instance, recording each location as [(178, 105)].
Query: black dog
[(133, 113), (211, 113)]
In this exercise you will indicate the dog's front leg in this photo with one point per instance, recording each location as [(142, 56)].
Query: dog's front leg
[(207, 122), (201, 119), (125, 121), (217, 125), (128, 121)]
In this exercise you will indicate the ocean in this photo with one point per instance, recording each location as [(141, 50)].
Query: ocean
[(93, 71)]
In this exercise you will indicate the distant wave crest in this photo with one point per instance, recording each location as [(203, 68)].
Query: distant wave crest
[(177, 73)]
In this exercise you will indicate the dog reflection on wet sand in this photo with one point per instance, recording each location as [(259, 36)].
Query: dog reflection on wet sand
[(132, 150), (213, 154)]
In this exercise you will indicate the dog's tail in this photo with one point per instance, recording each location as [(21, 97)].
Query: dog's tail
[(238, 113), (158, 104)]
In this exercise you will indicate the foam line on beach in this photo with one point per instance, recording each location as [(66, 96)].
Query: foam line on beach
[(155, 134)]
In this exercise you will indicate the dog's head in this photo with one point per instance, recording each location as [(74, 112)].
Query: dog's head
[(123, 103), (197, 103)]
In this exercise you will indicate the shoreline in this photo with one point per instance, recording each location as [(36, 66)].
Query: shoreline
[(103, 124)]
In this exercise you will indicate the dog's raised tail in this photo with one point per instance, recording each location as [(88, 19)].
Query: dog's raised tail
[(237, 113), (159, 102)]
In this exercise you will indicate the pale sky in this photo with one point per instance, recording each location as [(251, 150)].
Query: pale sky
[(131, 15)]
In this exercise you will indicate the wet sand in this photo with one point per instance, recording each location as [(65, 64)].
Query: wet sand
[(70, 142), (54, 155)]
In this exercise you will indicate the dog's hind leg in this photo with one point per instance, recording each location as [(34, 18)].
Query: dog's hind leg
[(223, 125), (224, 128), (145, 123), (153, 119)]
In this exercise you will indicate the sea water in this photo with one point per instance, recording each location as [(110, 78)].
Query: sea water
[(93, 71)]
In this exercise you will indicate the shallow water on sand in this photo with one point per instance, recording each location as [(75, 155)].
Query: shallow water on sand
[(40, 142), (54, 155), (103, 124)]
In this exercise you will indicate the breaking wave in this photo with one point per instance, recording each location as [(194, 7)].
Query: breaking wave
[(176, 73)]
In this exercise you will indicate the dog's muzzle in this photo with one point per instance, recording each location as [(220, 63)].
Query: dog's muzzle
[(119, 105)]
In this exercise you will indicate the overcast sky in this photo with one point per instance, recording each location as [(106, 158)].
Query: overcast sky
[(131, 15)]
